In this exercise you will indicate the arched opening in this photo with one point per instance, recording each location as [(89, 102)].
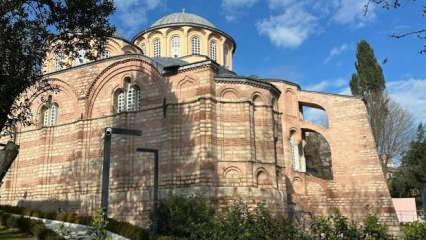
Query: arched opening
[(318, 155), (314, 114)]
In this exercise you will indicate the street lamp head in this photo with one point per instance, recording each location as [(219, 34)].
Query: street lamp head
[(108, 131)]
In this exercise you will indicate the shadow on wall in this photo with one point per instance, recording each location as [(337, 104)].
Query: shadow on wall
[(172, 125), (51, 205)]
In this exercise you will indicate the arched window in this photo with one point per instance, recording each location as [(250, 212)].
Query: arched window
[(225, 56), (127, 100), (121, 101), (195, 45), (213, 50), (175, 46), (132, 103), (50, 114), (105, 54), (157, 47), (59, 61), (81, 58)]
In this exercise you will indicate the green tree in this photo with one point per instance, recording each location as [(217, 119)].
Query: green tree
[(410, 180), (369, 78), (369, 83), (32, 28)]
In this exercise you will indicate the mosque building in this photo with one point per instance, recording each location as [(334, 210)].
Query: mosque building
[(219, 134)]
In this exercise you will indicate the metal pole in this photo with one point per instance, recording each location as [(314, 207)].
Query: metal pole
[(105, 171), (156, 203), (155, 217)]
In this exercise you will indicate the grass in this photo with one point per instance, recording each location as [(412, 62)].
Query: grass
[(13, 234)]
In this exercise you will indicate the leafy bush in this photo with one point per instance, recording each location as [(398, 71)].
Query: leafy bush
[(374, 230), (30, 226), (414, 230), (181, 216), (12, 222), (334, 227), (127, 230)]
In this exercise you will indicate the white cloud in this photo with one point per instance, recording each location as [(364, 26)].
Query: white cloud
[(290, 28), (238, 3), (410, 94), (338, 83), (293, 21), (353, 12), (234, 8), (132, 13), (336, 51)]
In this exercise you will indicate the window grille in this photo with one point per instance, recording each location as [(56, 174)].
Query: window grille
[(175, 45), (157, 48), (105, 54), (121, 107), (58, 62), (213, 50), (81, 58), (196, 45), (50, 115), (128, 100)]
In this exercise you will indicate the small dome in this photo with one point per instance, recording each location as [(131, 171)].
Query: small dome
[(181, 18)]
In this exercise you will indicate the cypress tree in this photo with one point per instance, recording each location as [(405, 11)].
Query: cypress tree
[(369, 83), (369, 77)]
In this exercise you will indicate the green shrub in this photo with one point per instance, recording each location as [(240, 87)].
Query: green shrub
[(414, 230), (180, 216), (335, 226), (127, 230), (12, 222), (4, 218), (24, 224), (84, 220), (374, 230), (37, 228)]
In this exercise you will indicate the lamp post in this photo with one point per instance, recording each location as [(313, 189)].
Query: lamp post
[(156, 191), (107, 161)]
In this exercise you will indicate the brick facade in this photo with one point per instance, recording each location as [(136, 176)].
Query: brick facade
[(226, 137)]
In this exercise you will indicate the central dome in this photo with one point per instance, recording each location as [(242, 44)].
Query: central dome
[(182, 18)]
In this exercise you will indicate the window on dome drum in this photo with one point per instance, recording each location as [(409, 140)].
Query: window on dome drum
[(175, 46), (213, 50), (127, 100), (195, 45), (225, 56), (105, 54), (58, 62), (157, 47), (50, 114)]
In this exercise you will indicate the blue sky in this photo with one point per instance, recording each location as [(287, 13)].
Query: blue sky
[(310, 42)]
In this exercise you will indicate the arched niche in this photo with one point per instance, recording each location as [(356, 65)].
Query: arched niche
[(317, 152)]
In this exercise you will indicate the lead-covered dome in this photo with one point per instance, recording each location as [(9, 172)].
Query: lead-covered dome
[(182, 18)]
